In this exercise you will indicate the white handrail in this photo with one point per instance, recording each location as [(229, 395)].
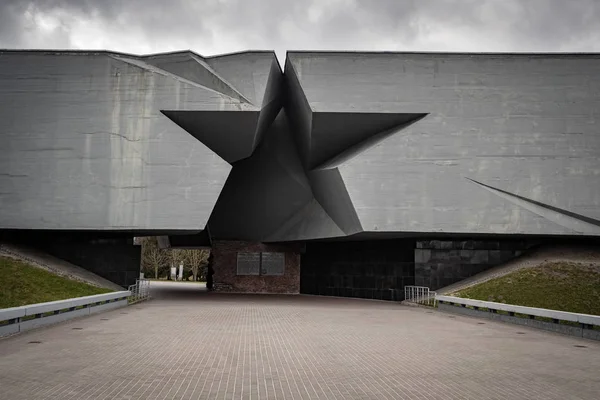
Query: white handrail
[(585, 319), (140, 291), (15, 319), (419, 295)]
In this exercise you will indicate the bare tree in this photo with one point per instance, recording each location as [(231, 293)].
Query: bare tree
[(152, 256), (197, 259)]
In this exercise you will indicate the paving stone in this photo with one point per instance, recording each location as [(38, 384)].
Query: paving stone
[(186, 344)]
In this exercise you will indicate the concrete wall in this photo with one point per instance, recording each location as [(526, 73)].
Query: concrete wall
[(225, 266), (84, 145), (524, 125), (368, 269), (442, 263), (385, 143)]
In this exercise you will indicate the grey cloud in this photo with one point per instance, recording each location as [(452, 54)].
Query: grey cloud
[(531, 25)]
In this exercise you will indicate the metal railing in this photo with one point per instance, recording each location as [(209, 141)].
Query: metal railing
[(420, 295), (575, 324), (140, 291), (586, 320), (18, 319)]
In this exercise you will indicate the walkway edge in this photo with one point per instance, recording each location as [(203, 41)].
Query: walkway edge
[(20, 319), (489, 310)]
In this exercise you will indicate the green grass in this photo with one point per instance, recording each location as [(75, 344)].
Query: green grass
[(22, 284), (556, 286)]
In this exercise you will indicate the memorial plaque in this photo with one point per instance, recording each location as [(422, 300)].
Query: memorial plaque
[(248, 263), (272, 264)]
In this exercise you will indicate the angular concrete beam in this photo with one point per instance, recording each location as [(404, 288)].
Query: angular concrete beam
[(249, 73), (337, 137), (230, 134), (309, 223), (263, 191), (326, 139), (191, 67), (330, 191), (570, 220)]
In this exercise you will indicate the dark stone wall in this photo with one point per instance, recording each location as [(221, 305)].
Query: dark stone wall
[(365, 269), (225, 267), (442, 263), (117, 260)]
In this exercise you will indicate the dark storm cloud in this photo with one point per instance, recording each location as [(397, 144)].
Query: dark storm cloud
[(214, 26)]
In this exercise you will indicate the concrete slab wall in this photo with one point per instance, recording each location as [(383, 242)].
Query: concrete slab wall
[(84, 145), (525, 124)]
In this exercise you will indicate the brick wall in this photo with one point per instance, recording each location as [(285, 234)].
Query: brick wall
[(225, 266)]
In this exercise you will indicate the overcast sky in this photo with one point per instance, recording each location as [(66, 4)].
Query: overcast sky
[(219, 26)]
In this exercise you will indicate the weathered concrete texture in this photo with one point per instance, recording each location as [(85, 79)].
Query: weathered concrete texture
[(192, 67), (371, 269), (185, 344), (532, 323), (225, 267), (474, 144), (248, 72), (442, 263), (85, 146), (524, 124), (234, 135), (325, 136)]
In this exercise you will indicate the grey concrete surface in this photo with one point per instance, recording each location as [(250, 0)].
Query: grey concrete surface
[(85, 145), (186, 344), (390, 143), (509, 143)]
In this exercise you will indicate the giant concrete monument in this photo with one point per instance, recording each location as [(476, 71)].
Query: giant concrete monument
[(346, 146)]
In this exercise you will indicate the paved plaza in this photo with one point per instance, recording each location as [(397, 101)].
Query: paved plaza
[(189, 344)]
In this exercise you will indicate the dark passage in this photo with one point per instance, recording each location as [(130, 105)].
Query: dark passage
[(366, 269)]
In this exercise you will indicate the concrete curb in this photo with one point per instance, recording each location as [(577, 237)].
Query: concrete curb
[(532, 323)]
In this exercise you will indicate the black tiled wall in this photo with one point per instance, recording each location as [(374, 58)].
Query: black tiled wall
[(366, 269), (441, 263)]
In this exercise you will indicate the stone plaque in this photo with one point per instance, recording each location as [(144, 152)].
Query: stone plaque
[(248, 263), (272, 264)]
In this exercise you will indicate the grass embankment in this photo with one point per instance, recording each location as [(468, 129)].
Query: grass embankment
[(557, 286), (22, 284)]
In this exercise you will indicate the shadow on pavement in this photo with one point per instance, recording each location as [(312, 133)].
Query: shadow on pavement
[(170, 291)]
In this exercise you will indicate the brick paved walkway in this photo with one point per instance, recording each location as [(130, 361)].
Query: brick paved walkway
[(186, 344)]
